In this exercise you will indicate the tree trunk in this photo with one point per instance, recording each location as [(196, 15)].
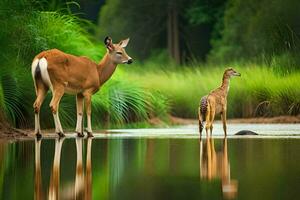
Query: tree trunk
[(173, 33)]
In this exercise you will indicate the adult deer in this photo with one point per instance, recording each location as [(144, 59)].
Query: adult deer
[(65, 73)]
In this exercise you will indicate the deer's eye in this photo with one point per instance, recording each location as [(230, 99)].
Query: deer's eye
[(119, 53)]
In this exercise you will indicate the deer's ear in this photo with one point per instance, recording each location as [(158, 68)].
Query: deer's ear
[(123, 43), (108, 43)]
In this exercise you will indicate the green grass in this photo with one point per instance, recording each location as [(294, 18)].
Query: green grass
[(260, 91), (122, 102), (28, 31), (156, 88)]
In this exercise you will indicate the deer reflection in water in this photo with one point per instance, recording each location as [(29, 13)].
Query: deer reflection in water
[(55, 175), (37, 174), (215, 165), (83, 182)]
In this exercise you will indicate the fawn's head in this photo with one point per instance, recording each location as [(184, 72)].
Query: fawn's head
[(230, 72), (117, 51)]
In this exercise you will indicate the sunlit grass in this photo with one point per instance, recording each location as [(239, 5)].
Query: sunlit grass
[(260, 91)]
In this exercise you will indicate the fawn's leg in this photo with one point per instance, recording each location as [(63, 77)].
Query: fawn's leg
[(223, 116), (200, 121), (208, 122), (212, 117)]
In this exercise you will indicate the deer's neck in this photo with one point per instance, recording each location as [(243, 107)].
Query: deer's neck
[(225, 84), (106, 68)]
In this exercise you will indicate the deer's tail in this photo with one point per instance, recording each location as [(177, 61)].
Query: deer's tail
[(203, 107), (40, 73)]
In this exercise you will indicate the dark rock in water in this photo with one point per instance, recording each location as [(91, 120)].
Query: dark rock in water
[(246, 132)]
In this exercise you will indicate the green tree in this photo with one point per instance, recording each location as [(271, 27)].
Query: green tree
[(152, 24), (208, 16), (259, 27)]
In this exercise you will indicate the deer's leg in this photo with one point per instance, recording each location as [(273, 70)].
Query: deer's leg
[(41, 91), (88, 107), (54, 105), (200, 121), (223, 116), (79, 106), (212, 117)]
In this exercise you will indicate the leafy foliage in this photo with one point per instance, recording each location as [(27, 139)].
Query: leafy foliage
[(254, 28), (27, 32)]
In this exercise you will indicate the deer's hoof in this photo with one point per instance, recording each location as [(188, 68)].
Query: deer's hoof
[(61, 134), (38, 135), (90, 134), (80, 134)]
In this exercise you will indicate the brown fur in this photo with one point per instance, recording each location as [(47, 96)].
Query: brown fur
[(75, 75), (216, 103)]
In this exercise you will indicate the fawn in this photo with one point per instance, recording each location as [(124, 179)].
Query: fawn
[(214, 103)]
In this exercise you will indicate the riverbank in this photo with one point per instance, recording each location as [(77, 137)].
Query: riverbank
[(190, 131), (254, 120), (9, 133)]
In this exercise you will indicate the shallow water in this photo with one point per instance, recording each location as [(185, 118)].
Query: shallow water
[(127, 166)]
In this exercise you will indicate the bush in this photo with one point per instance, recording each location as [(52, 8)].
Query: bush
[(28, 31)]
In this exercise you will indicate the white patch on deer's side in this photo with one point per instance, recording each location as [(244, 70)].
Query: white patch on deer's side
[(44, 72)]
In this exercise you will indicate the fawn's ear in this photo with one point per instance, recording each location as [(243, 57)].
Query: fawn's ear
[(108, 43), (123, 43)]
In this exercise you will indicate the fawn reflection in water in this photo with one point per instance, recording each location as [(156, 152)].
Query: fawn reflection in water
[(215, 165), (83, 182)]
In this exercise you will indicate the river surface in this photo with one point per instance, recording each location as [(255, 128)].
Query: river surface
[(147, 164)]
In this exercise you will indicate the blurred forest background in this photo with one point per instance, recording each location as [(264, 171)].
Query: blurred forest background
[(180, 50)]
